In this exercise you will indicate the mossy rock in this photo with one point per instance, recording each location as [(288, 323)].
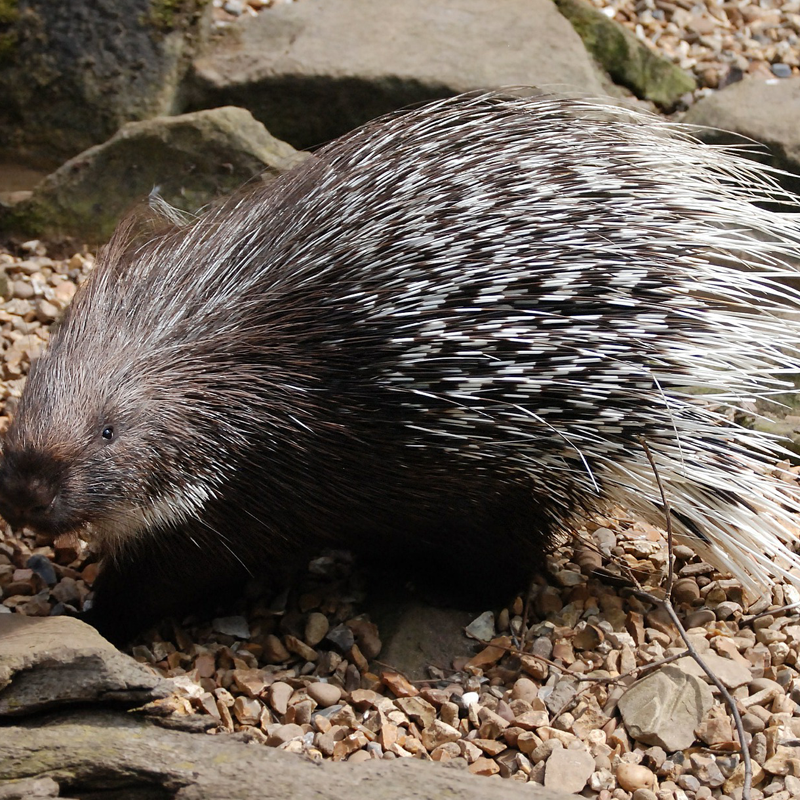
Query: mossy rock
[(189, 160), (628, 61)]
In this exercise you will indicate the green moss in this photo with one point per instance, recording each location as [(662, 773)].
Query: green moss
[(624, 57), (170, 14), (9, 14)]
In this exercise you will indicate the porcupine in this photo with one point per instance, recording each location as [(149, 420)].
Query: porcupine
[(446, 333)]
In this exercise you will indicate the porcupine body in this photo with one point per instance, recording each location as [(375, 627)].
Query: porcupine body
[(447, 333)]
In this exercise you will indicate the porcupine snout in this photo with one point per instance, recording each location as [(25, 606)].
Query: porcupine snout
[(30, 493)]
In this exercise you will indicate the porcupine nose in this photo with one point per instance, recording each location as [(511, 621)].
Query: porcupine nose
[(25, 499)]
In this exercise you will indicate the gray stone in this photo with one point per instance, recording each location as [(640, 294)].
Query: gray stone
[(42, 566), (762, 111), (232, 626), (482, 627), (563, 693), (312, 71), (665, 707), (191, 159), (49, 661)]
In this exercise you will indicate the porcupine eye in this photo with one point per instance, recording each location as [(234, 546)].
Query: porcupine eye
[(108, 433)]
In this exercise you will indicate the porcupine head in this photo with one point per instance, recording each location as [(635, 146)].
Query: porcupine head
[(112, 437)]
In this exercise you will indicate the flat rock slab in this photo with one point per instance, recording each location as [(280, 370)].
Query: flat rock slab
[(311, 71), (732, 673), (765, 111), (665, 707), (568, 770), (49, 661), (94, 750)]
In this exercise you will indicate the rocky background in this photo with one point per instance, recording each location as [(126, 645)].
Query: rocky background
[(582, 686)]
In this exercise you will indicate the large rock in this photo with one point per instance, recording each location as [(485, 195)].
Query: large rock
[(72, 72), (665, 707), (47, 662), (314, 70), (767, 112), (190, 159), (98, 750)]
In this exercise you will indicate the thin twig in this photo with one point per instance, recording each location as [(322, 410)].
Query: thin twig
[(770, 612), (667, 520), (666, 603)]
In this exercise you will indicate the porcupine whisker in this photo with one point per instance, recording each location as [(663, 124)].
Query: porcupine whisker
[(224, 540)]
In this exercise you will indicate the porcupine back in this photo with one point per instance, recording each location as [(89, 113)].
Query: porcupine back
[(452, 326)]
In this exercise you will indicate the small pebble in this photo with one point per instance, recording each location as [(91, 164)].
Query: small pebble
[(233, 626), (317, 627), (324, 694), (43, 567), (635, 776)]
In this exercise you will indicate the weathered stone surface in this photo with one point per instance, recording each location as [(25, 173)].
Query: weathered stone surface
[(731, 673), (72, 72), (627, 60), (312, 71), (49, 661), (762, 111), (191, 159), (665, 707), (101, 749), (568, 770), (27, 788)]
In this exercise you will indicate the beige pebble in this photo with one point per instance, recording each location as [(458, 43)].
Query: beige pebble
[(439, 733), (446, 752), (300, 648), (22, 289), (325, 694), (317, 627), (279, 694), (284, 733), (634, 776), (686, 590), (484, 766), (274, 651), (525, 689), (246, 710), (63, 293), (205, 665)]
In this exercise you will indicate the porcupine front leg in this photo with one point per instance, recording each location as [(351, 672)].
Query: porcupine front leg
[(147, 583)]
